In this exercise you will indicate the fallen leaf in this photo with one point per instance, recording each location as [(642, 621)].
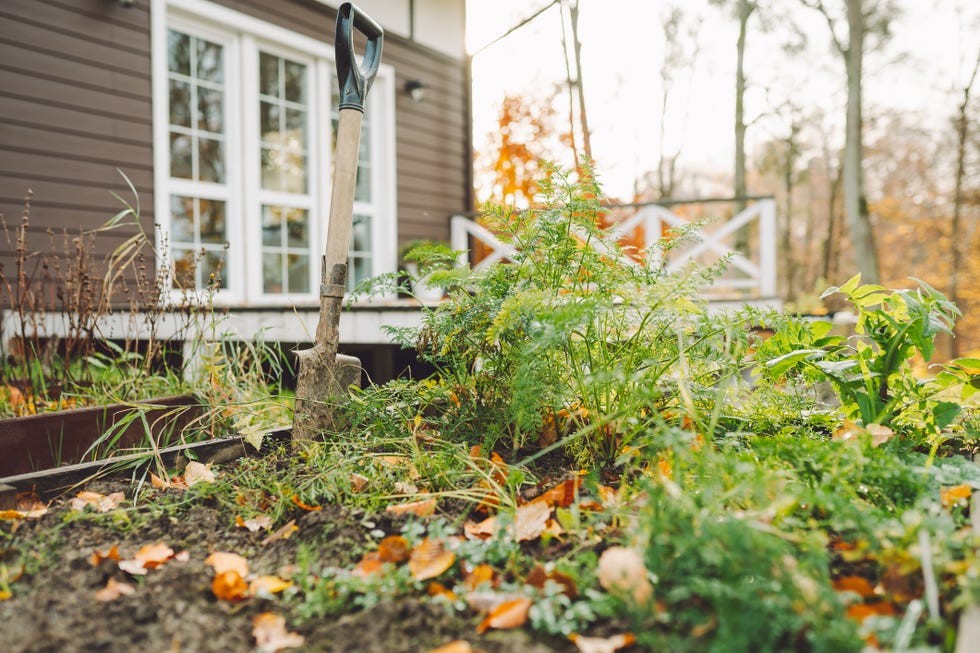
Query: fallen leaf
[(563, 494), (230, 586), (459, 646), (284, 533), (267, 584), (421, 508), (621, 571), (481, 574), (195, 472), (12, 514), (369, 565), (861, 611), (880, 434), (480, 530), (358, 482), (406, 488), (159, 483), (436, 588), (100, 502), (953, 495), (222, 562), (602, 644), (430, 559), (308, 508), (486, 600), (150, 556), (98, 556), (394, 548), (856, 584), (530, 520), (269, 631), (29, 506), (256, 523), (113, 590), (538, 576), (507, 615), (7, 577)]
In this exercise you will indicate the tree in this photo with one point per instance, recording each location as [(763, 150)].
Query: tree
[(575, 85), (861, 18)]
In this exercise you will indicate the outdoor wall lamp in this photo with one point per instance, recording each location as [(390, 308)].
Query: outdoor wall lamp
[(126, 3), (416, 90)]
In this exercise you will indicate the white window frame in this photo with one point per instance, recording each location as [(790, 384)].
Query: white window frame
[(243, 37)]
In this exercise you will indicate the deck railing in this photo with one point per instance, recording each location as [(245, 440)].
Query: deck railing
[(751, 270)]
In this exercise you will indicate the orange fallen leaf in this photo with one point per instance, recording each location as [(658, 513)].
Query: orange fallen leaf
[(621, 571), (256, 523), (880, 434), (953, 495), (563, 494), (284, 533), (269, 631), (230, 586), (101, 502), (480, 530), (195, 472), (459, 646), (150, 556), (306, 507), (861, 611), (507, 615), (436, 588), (222, 562), (98, 556), (856, 584), (267, 584), (538, 576), (113, 590), (430, 559), (421, 508), (159, 483), (358, 482), (394, 548), (369, 565), (481, 574), (12, 514), (602, 644)]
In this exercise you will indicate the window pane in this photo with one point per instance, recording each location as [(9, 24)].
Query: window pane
[(269, 121), (184, 269), (179, 51), (296, 230), (181, 219), (272, 226), (213, 269), (209, 61), (211, 165), (268, 74), (210, 110), (360, 270), (180, 156), (299, 273), (295, 82), (294, 180), (212, 221), (361, 234), (272, 273), (362, 189), (271, 169), (296, 128), (180, 103)]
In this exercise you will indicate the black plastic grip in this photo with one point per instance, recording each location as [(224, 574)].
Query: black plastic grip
[(355, 81)]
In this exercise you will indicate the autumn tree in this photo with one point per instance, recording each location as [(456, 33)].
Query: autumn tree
[(851, 22)]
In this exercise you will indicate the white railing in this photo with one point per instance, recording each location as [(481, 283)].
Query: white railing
[(751, 274)]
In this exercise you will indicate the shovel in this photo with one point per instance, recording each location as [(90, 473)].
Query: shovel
[(324, 375)]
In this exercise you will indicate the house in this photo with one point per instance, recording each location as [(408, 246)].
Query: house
[(220, 113)]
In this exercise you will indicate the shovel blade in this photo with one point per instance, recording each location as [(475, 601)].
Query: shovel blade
[(322, 385)]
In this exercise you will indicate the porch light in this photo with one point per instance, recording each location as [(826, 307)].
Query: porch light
[(126, 3), (416, 90)]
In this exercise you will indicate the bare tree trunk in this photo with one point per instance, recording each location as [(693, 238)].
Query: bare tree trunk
[(829, 268), (577, 48), (956, 253), (855, 203), (744, 9)]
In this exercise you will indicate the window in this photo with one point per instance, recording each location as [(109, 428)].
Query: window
[(243, 122)]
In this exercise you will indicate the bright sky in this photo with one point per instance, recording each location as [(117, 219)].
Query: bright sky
[(622, 53)]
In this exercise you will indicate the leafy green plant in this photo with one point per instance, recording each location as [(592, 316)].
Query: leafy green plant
[(871, 371)]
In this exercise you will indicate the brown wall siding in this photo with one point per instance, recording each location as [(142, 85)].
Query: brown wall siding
[(75, 105)]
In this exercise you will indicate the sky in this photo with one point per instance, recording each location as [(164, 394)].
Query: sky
[(622, 51)]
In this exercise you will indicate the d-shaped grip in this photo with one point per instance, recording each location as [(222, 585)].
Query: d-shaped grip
[(355, 81)]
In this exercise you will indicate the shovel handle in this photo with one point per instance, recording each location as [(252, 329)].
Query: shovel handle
[(355, 81)]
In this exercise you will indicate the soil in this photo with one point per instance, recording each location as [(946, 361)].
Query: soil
[(173, 608)]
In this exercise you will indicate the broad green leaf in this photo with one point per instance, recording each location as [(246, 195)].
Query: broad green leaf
[(782, 364), (945, 412)]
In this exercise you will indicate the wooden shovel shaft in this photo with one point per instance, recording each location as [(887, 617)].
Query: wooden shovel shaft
[(333, 277)]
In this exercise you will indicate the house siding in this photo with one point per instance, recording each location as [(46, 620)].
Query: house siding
[(75, 106)]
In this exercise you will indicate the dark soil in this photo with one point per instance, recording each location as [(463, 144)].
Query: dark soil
[(53, 607)]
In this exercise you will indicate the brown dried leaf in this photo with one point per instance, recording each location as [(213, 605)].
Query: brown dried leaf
[(195, 472), (267, 584), (538, 576), (230, 586), (113, 590), (480, 530), (602, 644), (369, 565), (358, 482), (563, 494), (621, 571), (436, 588), (393, 548), (530, 520), (150, 556), (481, 574), (100, 502), (507, 615), (98, 556), (421, 508), (222, 562), (430, 559), (159, 483), (254, 524), (269, 631)]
